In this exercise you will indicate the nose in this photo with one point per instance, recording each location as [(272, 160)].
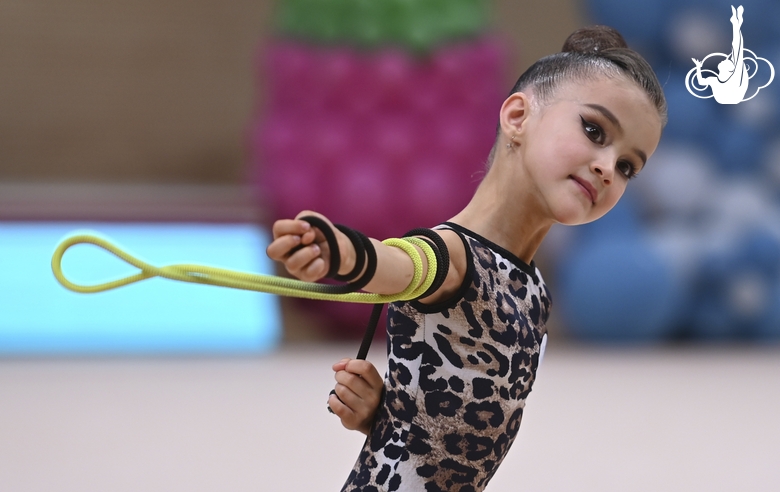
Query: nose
[(604, 172)]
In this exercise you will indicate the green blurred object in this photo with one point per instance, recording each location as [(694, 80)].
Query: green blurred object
[(418, 25), (363, 22)]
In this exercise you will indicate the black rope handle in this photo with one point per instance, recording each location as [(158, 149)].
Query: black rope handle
[(330, 237), (363, 248), (368, 335), (360, 253), (365, 245)]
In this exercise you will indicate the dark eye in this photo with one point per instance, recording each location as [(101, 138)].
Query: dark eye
[(626, 169), (593, 131)]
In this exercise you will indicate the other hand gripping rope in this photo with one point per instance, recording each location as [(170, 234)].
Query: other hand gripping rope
[(438, 265)]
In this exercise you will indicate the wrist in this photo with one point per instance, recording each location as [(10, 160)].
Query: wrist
[(365, 427)]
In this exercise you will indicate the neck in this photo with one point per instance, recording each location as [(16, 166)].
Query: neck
[(509, 217)]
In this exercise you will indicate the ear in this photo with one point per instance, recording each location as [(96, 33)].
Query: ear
[(514, 115)]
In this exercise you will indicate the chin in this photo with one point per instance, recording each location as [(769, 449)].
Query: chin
[(574, 218), (573, 222), (570, 211)]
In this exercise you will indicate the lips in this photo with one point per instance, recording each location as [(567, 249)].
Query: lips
[(587, 188)]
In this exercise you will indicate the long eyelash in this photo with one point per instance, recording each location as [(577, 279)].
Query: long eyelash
[(586, 123), (634, 172)]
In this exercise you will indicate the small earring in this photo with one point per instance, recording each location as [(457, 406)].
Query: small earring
[(511, 144)]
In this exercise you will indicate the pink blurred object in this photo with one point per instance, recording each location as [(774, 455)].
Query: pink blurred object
[(339, 73), (361, 193), (288, 74), (331, 138), (392, 74), (434, 194), (381, 141), (396, 137)]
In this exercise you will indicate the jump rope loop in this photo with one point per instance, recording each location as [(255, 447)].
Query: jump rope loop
[(261, 283), (365, 258)]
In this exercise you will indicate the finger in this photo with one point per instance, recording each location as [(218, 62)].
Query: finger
[(352, 381), (300, 260), (348, 418), (318, 235), (367, 371), (361, 392), (290, 226), (311, 236), (303, 261), (348, 397), (316, 269), (340, 365), (281, 247)]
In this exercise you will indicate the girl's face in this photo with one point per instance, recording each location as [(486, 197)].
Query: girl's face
[(580, 149)]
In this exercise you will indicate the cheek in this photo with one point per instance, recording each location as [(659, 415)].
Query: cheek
[(569, 150), (557, 158)]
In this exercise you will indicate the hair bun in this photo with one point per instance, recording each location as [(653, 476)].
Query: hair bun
[(593, 39)]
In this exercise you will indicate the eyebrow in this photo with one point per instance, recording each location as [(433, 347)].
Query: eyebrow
[(613, 119)]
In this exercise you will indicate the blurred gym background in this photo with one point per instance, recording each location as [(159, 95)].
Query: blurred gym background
[(181, 130)]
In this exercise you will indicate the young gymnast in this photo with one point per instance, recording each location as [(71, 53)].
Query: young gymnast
[(576, 128)]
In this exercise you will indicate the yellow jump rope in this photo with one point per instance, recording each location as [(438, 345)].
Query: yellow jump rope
[(272, 284)]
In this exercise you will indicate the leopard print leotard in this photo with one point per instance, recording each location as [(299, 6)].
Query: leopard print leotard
[(457, 378)]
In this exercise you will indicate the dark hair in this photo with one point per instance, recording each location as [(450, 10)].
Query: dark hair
[(589, 52)]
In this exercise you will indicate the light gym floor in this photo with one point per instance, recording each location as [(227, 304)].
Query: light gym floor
[(669, 418)]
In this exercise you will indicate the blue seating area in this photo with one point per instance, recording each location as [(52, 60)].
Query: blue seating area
[(693, 250)]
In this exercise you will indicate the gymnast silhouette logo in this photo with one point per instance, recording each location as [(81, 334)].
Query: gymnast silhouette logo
[(730, 84)]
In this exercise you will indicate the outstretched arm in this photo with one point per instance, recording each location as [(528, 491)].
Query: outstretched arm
[(394, 270)]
